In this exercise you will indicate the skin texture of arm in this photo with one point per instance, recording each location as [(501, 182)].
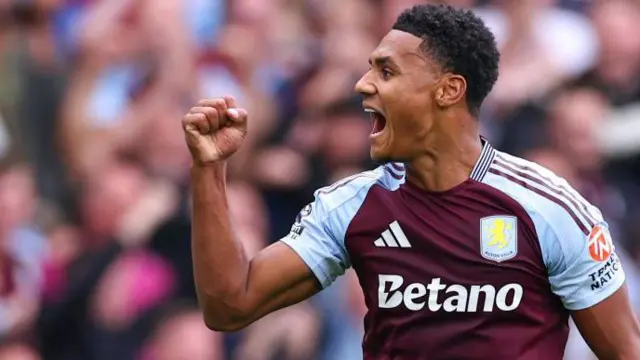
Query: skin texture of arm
[(611, 328), (234, 291)]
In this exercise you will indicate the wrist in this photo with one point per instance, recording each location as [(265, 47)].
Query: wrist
[(217, 169)]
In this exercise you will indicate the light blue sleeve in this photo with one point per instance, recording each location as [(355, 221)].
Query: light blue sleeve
[(576, 245), (583, 268), (318, 234)]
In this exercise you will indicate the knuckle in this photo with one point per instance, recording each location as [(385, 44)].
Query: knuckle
[(200, 118), (209, 102), (211, 113), (187, 119), (204, 102)]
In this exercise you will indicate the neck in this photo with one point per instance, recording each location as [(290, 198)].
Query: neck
[(448, 159)]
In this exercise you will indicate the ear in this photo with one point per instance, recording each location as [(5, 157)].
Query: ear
[(451, 90)]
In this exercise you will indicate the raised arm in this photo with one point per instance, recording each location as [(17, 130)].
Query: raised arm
[(233, 291)]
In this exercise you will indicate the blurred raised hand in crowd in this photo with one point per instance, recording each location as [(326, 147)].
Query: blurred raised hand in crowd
[(95, 256)]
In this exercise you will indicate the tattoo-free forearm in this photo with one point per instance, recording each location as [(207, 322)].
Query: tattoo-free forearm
[(220, 263)]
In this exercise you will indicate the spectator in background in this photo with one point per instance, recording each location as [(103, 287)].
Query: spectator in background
[(615, 73), (18, 351), (290, 334), (541, 46), (22, 250), (106, 292), (180, 334)]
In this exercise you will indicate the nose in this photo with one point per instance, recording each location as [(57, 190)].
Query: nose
[(365, 87)]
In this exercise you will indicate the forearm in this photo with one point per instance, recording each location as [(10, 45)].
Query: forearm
[(220, 263)]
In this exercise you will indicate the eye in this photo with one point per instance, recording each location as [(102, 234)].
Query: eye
[(386, 73)]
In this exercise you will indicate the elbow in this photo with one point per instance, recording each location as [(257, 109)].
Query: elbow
[(219, 325), (226, 318)]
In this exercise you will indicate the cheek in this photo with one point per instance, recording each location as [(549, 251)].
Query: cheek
[(411, 94), (411, 117)]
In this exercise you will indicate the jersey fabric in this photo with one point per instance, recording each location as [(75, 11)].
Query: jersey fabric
[(489, 269)]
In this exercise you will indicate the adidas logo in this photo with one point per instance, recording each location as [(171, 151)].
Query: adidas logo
[(393, 237)]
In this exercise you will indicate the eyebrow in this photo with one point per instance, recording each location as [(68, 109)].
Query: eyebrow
[(381, 61)]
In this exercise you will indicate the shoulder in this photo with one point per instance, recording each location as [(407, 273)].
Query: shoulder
[(546, 196), (574, 239), (318, 233), (353, 190), (336, 205)]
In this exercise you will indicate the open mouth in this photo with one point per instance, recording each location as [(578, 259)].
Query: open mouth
[(378, 120)]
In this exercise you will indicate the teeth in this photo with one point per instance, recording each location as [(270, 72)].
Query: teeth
[(376, 117), (373, 111)]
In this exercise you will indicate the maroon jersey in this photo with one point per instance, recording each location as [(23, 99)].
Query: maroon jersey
[(487, 270)]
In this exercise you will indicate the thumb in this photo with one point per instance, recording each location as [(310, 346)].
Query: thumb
[(233, 114), (237, 115)]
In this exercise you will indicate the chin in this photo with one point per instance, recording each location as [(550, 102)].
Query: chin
[(379, 157)]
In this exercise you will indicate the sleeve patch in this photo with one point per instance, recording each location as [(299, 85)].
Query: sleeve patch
[(601, 276), (298, 227), (600, 244)]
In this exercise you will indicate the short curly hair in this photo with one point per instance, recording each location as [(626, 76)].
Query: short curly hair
[(460, 42)]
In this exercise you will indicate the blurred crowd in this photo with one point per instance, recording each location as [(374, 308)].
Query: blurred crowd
[(94, 209)]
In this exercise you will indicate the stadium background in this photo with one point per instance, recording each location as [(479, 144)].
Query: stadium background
[(94, 231)]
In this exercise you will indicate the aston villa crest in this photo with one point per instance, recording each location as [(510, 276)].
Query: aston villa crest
[(499, 237)]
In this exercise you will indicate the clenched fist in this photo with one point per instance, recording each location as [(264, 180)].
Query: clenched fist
[(214, 129)]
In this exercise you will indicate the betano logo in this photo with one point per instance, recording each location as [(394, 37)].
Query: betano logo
[(600, 244), (437, 296)]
